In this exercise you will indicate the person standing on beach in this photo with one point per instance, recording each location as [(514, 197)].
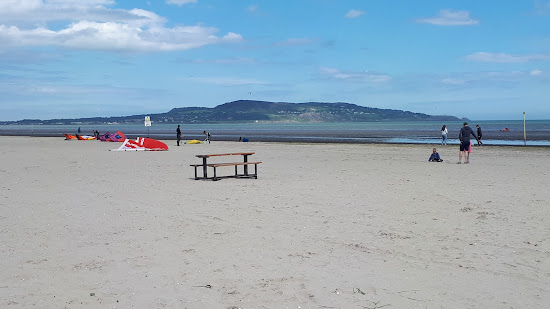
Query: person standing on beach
[(464, 137), (78, 130), (178, 134), (479, 143), (444, 133)]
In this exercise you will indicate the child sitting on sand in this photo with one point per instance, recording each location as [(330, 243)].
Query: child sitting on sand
[(435, 157)]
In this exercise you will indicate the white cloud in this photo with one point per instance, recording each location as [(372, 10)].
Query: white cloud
[(450, 18), (8, 7), (232, 37), (363, 77), (535, 73), (253, 8), (79, 3), (504, 58), (116, 37), (89, 24), (14, 6), (180, 2), (354, 13)]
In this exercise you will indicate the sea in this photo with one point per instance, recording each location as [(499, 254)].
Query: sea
[(537, 132)]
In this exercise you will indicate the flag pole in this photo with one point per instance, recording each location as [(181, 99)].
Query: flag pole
[(524, 133)]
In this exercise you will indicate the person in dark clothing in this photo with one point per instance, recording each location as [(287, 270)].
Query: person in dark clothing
[(207, 136), (479, 143), (178, 134), (464, 137), (435, 157)]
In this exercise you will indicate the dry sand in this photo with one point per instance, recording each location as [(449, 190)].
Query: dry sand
[(324, 226)]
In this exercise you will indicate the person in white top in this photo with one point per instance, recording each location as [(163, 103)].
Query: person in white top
[(444, 135)]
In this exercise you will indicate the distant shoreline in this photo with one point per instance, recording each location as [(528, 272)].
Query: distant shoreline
[(538, 132), (321, 140)]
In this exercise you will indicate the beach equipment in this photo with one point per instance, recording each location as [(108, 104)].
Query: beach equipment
[(116, 137), (105, 137), (85, 137), (142, 144), (69, 136), (194, 141)]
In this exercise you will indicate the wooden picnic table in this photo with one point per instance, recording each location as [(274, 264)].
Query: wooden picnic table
[(244, 163)]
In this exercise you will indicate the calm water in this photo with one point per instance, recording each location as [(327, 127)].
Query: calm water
[(538, 131)]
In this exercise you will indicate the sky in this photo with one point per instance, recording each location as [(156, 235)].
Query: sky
[(484, 60)]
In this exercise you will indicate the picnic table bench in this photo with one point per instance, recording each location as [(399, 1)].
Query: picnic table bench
[(205, 165)]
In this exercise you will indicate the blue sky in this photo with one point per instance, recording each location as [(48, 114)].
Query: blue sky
[(85, 58)]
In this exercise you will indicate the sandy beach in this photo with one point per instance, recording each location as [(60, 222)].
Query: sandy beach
[(323, 226)]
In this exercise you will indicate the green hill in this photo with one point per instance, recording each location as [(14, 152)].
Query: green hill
[(248, 110)]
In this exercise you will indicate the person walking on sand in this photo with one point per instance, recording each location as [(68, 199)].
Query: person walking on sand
[(206, 136), (479, 143), (464, 137), (178, 134), (444, 133)]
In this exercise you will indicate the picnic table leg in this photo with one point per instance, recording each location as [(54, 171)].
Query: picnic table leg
[(245, 166), (235, 171), (256, 171), (215, 178), (196, 173), (204, 171)]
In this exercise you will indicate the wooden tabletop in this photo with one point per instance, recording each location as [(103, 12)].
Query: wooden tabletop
[(225, 154)]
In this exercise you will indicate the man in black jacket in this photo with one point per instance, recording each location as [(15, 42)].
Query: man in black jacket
[(464, 137), (178, 134), (479, 135)]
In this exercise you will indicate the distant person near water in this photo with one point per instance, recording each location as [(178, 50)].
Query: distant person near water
[(435, 157), (206, 136), (464, 137), (479, 143), (444, 133), (178, 134), (78, 130)]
